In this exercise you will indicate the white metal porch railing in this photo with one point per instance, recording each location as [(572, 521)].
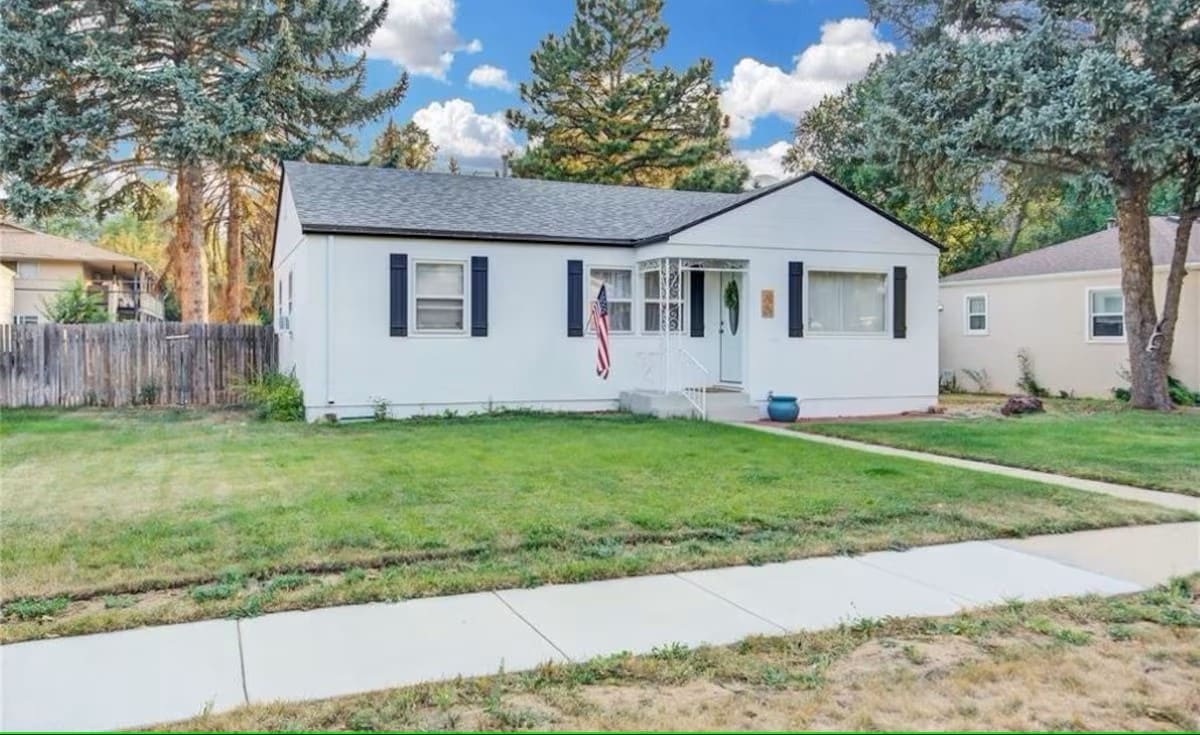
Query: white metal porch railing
[(678, 372)]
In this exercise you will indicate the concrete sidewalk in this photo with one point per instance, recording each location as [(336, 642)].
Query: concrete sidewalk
[(1176, 501), (149, 675)]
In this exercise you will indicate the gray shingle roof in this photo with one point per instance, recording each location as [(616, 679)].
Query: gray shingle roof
[(347, 198), (1095, 252)]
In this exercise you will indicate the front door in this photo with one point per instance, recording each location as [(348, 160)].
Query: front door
[(733, 325)]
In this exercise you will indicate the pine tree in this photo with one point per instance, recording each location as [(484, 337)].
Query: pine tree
[(599, 111), (403, 147), (186, 87)]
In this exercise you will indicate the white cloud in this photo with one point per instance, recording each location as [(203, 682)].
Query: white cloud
[(767, 160), (845, 51), (419, 35), (458, 130), (486, 75)]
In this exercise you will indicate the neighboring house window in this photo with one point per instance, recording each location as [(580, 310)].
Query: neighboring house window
[(976, 314), (656, 310), (842, 302), (27, 270), (291, 324), (280, 318), (619, 282), (25, 319), (1106, 314), (439, 296)]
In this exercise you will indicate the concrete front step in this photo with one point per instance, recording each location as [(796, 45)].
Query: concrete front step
[(723, 405)]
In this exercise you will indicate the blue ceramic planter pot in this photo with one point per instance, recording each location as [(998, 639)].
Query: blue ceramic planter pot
[(782, 408)]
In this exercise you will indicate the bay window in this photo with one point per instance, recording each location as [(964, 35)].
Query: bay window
[(843, 302)]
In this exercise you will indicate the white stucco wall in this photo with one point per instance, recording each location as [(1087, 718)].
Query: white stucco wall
[(345, 358), (1048, 317)]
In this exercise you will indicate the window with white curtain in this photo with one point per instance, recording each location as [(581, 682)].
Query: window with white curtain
[(439, 296), (1106, 314), (619, 292), (841, 302), (655, 310), (27, 269)]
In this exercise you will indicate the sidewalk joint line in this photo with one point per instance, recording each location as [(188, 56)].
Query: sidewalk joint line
[(242, 661), (1041, 557), (969, 601), (723, 598), (531, 625)]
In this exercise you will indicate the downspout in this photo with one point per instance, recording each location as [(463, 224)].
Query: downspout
[(329, 319)]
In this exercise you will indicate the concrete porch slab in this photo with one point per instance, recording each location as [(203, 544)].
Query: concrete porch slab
[(811, 594), (985, 573), (1147, 555), (635, 614), (323, 653), (124, 679)]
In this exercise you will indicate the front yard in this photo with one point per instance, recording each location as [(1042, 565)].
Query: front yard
[(115, 519), (1098, 440)]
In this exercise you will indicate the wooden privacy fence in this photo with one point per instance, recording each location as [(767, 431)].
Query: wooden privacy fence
[(131, 363)]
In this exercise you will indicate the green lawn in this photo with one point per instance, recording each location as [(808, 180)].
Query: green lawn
[(112, 519), (1142, 448)]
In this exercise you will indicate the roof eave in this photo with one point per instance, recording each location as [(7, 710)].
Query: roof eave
[(323, 229)]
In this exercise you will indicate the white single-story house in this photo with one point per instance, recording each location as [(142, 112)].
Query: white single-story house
[(1062, 305), (434, 292)]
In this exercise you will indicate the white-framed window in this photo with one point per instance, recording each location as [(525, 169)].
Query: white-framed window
[(619, 292), (25, 319), (847, 302), (280, 317), (655, 309), (439, 296), (290, 324), (27, 269), (1106, 314), (975, 314)]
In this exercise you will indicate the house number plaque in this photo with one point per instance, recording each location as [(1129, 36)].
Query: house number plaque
[(768, 303)]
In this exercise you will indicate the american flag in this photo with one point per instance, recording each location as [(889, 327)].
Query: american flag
[(600, 323)]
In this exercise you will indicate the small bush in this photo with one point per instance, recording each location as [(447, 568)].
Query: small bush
[(1027, 382), (1180, 394), (276, 396), (379, 408), (147, 395), (34, 609), (949, 383)]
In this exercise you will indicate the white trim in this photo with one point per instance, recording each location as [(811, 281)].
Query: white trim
[(987, 316), (884, 333), (632, 300), (1089, 316), (413, 297)]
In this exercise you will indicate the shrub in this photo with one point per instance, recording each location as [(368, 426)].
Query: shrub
[(276, 397), (949, 383), (1027, 382), (77, 304), (1180, 394)]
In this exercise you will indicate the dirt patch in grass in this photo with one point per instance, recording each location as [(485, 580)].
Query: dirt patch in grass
[(1127, 663)]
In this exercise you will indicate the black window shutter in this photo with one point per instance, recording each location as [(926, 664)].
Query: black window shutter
[(900, 302), (795, 299), (697, 297), (399, 295), (479, 296), (574, 298)]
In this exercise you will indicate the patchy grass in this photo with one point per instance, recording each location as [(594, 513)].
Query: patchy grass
[(206, 515), (1007, 668), (1098, 440)]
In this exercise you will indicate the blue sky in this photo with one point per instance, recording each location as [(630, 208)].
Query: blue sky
[(772, 58)]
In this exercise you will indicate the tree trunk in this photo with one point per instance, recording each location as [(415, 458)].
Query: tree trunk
[(1188, 210), (235, 277), (1147, 367), (189, 243)]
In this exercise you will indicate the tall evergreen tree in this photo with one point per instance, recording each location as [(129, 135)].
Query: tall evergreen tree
[(597, 109), (189, 87), (403, 147), (1105, 90)]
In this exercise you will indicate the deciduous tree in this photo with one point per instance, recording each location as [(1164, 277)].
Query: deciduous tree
[(403, 147)]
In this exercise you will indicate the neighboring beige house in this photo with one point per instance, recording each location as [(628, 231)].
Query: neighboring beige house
[(42, 265), (1063, 305)]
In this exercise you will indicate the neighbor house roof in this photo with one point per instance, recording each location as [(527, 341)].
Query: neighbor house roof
[(1099, 251), (332, 198), (22, 243)]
